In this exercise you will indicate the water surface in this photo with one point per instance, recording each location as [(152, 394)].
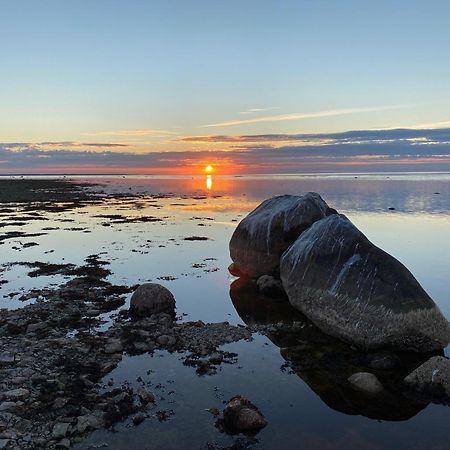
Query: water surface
[(408, 215)]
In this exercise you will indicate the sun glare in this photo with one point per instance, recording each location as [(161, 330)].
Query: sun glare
[(209, 169)]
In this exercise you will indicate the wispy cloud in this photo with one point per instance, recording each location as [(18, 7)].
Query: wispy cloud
[(258, 110), (82, 144), (134, 133), (301, 116), (433, 125), (415, 136), (61, 144)]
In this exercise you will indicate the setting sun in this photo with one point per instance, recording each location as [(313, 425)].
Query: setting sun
[(209, 169)]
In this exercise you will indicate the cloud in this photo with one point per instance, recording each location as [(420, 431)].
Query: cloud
[(60, 144), (258, 110), (301, 116), (420, 136), (81, 144), (421, 149), (134, 133)]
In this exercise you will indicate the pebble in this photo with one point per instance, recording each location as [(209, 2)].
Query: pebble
[(17, 394), (138, 418), (60, 430), (146, 396)]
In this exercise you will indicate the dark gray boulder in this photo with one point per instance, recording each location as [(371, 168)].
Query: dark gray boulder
[(261, 238), (431, 380), (152, 298), (355, 291)]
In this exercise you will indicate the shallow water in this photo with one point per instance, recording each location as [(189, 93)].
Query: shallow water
[(416, 232)]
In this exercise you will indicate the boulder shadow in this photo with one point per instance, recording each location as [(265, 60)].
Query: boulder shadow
[(325, 363)]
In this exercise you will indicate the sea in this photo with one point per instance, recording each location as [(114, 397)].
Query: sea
[(405, 214)]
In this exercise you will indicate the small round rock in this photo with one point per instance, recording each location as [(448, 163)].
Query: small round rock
[(152, 298), (366, 383)]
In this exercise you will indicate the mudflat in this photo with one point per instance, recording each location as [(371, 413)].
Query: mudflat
[(47, 190)]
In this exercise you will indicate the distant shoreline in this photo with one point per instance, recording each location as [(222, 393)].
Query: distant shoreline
[(236, 175)]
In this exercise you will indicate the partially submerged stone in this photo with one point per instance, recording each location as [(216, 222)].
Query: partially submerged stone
[(260, 238), (355, 291), (431, 380), (241, 415), (152, 298), (270, 286)]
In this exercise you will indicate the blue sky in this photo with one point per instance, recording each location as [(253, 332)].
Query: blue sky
[(148, 74)]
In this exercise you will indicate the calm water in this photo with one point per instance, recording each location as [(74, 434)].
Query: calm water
[(300, 408)]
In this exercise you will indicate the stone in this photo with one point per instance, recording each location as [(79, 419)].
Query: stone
[(242, 415), (87, 422), (7, 358), (60, 430), (166, 341), (431, 380), (355, 291), (7, 406), (152, 298), (63, 443), (113, 346), (261, 237), (17, 394), (146, 396), (270, 286), (216, 358), (33, 327), (4, 443), (138, 418), (366, 383), (141, 346)]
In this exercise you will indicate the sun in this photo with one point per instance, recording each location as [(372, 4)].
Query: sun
[(209, 169)]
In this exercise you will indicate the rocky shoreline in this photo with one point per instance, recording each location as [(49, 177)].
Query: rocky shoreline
[(52, 362), (56, 352)]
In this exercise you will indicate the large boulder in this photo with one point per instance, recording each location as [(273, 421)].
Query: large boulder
[(261, 238), (355, 291), (152, 298)]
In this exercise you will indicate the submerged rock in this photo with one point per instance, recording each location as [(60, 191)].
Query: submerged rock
[(152, 298), (270, 286), (355, 291), (242, 415), (366, 383), (431, 380), (260, 238)]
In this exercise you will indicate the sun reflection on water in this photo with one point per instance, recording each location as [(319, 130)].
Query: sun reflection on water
[(209, 182)]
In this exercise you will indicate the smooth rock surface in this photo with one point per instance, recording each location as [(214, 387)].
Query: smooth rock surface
[(366, 382), (355, 291), (260, 238), (152, 298), (432, 379), (241, 414)]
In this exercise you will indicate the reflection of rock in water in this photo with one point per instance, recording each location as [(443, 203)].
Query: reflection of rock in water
[(256, 308), (325, 363)]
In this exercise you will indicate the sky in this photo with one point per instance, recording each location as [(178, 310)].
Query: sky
[(169, 86)]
